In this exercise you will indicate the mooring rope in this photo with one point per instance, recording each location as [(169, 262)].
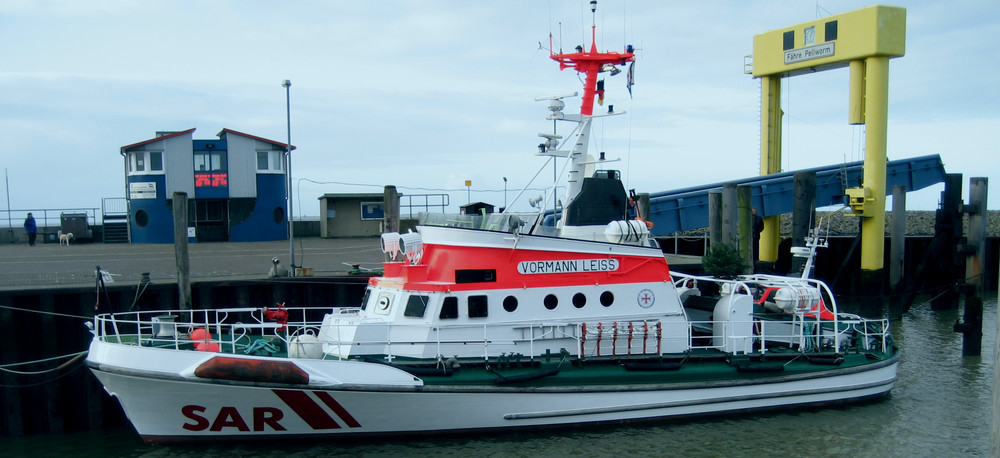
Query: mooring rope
[(76, 356), (43, 382), (88, 318)]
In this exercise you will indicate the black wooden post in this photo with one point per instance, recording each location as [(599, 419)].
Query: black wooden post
[(975, 250), (180, 207), (897, 249)]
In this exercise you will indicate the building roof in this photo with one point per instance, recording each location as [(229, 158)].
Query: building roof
[(231, 131), (156, 139), (352, 196)]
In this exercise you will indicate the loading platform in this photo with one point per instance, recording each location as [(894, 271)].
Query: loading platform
[(686, 209)]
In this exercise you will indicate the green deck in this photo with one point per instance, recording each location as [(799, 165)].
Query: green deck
[(695, 366)]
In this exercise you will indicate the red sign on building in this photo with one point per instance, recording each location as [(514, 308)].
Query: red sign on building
[(212, 180)]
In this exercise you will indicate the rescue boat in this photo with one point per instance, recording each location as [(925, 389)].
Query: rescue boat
[(566, 316)]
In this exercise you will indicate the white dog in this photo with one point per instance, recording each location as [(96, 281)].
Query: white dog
[(67, 237)]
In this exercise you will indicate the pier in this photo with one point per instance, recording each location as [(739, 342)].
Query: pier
[(48, 293)]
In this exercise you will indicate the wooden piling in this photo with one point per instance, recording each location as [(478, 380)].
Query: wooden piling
[(13, 424), (937, 271), (995, 430), (53, 418), (897, 246), (975, 250), (803, 212), (729, 214), (948, 227), (180, 207), (714, 217), (390, 208)]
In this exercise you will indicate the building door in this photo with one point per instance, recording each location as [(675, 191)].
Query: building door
[(212, 220)]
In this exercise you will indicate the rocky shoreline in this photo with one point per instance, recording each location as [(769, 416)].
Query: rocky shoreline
[(918, 223), (841, 224)]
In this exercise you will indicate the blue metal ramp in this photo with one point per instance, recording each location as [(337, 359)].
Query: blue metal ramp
[(686, 209)]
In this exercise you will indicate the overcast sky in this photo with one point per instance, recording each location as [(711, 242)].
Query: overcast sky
[(427, 94)]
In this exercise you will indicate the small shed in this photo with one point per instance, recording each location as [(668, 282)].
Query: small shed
[(351, 215), (477, 208)]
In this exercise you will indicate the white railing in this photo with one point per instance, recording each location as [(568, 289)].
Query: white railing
[(237, 331)]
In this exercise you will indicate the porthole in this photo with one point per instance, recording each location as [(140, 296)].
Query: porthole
[(141, 218), (579, 300), (607, 298), (551, 301), (510, 303), (279, 215)]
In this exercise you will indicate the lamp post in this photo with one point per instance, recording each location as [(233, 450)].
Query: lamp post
[(287, 84)]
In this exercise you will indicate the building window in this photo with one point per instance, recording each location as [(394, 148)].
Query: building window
[(209, 161), (145, 162), (831, 31), (155, 161), (270, 161), (210, 211)]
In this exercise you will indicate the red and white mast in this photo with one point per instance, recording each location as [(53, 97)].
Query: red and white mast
[(591, 63)]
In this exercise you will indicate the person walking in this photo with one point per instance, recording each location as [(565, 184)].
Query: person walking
[(31, 228)]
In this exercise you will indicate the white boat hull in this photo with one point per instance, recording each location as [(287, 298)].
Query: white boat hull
[(166, 407)]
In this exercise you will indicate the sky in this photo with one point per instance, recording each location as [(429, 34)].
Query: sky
[(426, 95)]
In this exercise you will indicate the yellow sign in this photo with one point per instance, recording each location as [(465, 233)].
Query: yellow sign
[(830, 42)]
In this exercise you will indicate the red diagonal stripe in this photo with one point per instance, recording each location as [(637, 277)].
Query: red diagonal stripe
[(307, 409), (337, 408)]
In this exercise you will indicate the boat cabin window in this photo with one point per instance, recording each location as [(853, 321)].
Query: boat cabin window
[(449, 308), (607, 298), (579, 300), (510, 303), (475, 275), (415, 306), (364, 300), (551, 301), (477, 307)]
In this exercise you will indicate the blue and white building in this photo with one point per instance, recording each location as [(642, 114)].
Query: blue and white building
[(235, 186)]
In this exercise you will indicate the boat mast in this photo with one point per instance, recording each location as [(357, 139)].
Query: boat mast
[(589, 63)]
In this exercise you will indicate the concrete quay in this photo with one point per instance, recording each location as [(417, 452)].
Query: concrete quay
[(51, 265), (48, 265)]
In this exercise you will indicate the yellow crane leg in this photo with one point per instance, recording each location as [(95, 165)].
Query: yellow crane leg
[(876, 121)]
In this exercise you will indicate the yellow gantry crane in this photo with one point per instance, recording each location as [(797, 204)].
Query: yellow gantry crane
[(863, 40)]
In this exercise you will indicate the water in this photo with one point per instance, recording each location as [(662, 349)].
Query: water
[(941, 406)]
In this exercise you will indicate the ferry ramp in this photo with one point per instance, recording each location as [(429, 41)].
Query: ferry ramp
[(686, 209)]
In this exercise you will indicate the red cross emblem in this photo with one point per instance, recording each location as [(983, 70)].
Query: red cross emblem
[(646, 298)]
